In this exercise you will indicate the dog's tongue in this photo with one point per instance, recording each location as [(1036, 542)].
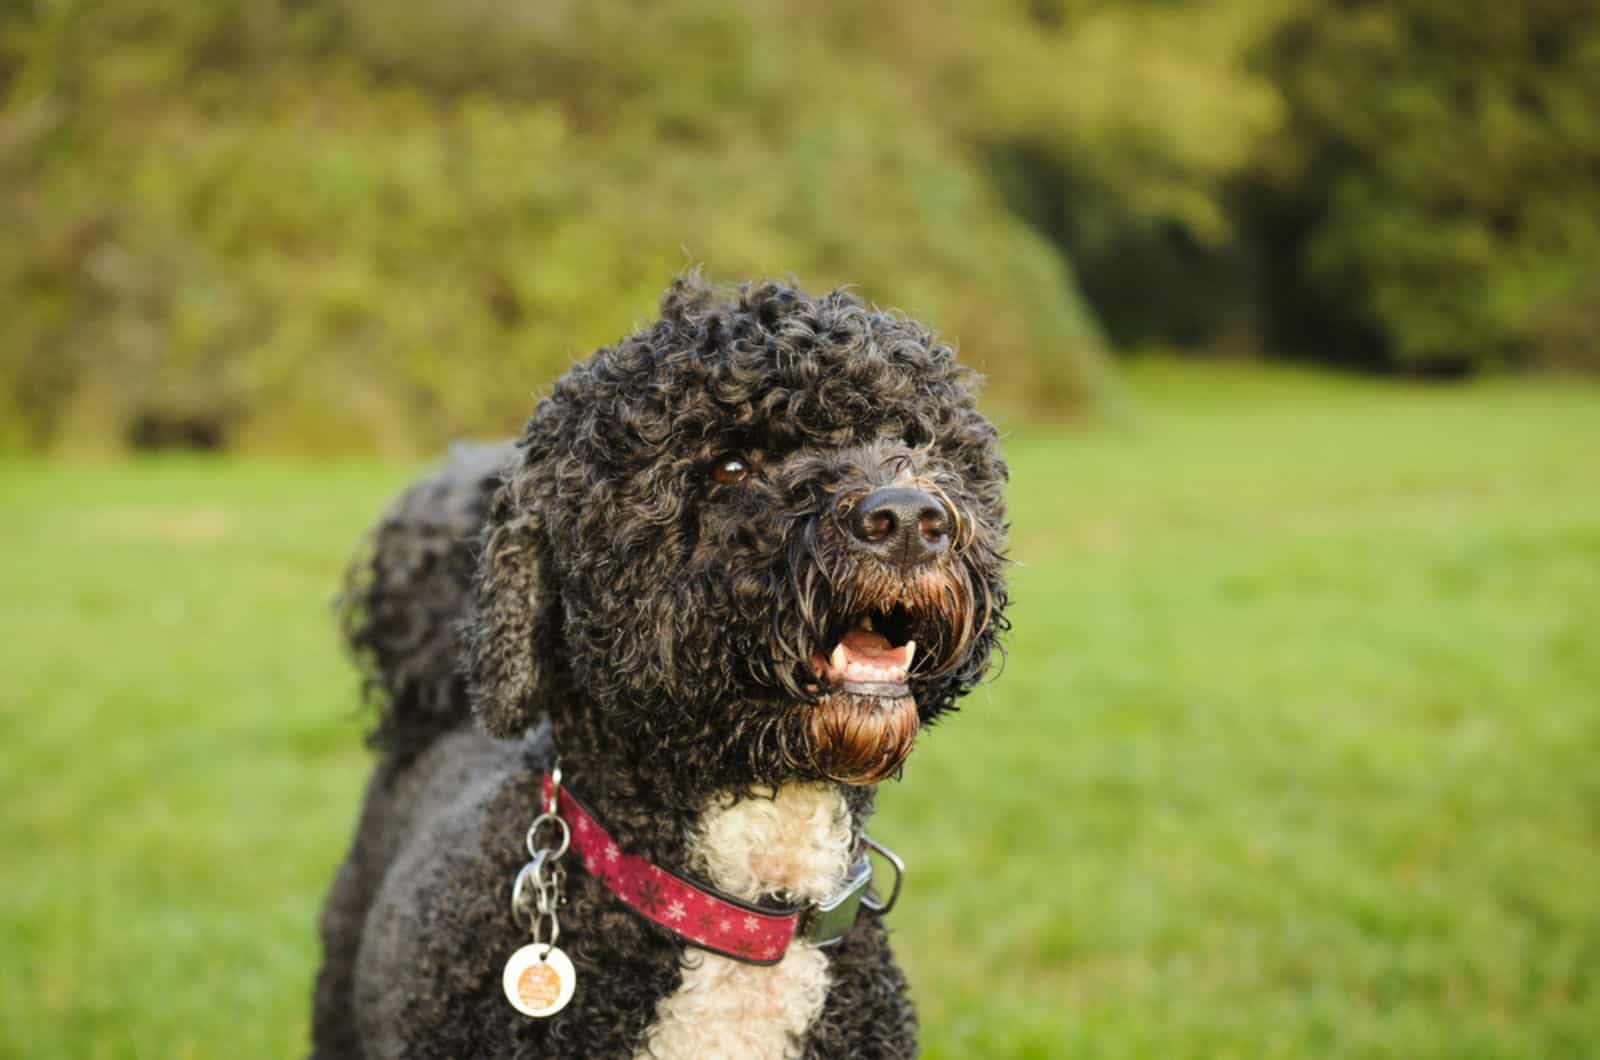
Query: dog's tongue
[(868, 656), (868, 647)]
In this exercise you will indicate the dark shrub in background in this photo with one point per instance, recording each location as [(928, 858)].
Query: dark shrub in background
[(1434, 194)]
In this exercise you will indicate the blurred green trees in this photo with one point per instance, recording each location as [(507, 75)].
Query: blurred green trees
[(1117, 128), (330, 223), (1435, 193)]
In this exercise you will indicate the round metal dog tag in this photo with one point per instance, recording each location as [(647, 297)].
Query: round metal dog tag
[(538, 980)]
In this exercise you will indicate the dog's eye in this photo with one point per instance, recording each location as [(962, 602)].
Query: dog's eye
[(730, 469)]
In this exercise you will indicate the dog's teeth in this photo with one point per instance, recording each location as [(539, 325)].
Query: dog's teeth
[(911, 652), (866, 622), (837, 660)]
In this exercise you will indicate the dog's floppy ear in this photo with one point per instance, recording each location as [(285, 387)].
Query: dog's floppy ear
[(514, 633)]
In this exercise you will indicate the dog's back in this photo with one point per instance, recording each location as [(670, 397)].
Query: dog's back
[(406, 598)]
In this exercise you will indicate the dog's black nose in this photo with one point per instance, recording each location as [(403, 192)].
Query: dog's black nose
[(900, 525)]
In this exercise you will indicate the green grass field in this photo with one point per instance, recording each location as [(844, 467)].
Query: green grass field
[(1296, 751)]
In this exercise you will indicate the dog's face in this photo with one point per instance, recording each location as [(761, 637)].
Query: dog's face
[(763, 537)]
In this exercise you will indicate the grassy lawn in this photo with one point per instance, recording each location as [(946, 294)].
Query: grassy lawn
[(1294, 754)]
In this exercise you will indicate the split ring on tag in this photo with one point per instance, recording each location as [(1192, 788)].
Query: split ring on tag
[(539, 980), (533, 836)]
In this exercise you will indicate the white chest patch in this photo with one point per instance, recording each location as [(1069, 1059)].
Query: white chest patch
[(795, 843)]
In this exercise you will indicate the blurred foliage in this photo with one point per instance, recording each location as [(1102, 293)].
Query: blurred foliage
[(1437, 187), (1114, 126), (357, 223), (326, 225), (1412, 184)]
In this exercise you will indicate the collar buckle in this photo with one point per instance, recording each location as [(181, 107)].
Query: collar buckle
[(829, 921)]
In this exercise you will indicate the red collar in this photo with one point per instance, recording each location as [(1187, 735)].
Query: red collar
[(701, 914)]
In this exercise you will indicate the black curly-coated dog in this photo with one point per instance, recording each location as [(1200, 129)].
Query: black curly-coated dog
[(732, 567)]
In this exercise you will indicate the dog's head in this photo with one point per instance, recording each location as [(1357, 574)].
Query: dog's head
[(763, 536)]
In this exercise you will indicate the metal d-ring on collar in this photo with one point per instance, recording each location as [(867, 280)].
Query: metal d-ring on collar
[(895, 863)]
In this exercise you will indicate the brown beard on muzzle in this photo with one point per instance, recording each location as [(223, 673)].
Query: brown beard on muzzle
[(858, 739)]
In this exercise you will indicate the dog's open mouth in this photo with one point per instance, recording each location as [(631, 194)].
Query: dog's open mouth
[(873, 655), (863, 720)]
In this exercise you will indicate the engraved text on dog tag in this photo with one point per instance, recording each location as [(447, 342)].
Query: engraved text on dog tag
[(538, 980)]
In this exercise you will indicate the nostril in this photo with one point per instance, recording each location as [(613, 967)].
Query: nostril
[(878, 525), (931, 522), (873, 523)]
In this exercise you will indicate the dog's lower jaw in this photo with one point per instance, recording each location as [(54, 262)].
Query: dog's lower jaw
[(795, 841)]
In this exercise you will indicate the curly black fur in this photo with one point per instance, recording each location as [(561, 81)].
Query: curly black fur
[(664, 627), (403, 603)]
